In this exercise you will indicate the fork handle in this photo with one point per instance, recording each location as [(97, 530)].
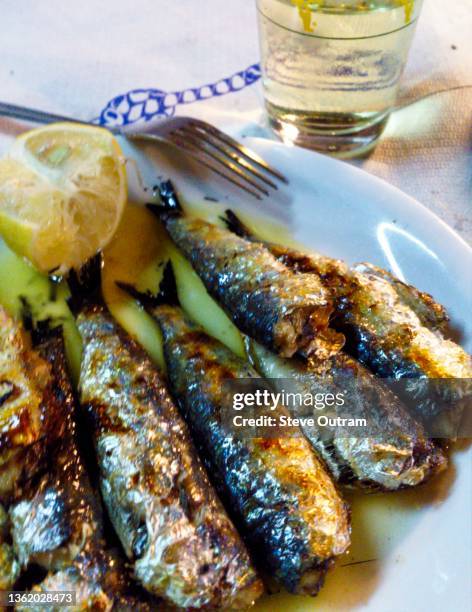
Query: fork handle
[(37, 116), (33, 115)]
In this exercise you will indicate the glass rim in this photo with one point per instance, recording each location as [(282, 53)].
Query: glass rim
[(311, 35)]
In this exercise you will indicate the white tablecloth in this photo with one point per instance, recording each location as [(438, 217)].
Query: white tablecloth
[(201, 58)]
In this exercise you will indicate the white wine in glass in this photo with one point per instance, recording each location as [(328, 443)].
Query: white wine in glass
[(331, 69)]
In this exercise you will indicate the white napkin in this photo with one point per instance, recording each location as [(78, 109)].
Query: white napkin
[(425, 149)]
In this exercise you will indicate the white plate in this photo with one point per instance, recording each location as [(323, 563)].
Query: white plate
[(422, 542)]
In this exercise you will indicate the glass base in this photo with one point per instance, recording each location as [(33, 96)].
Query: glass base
[(342, 135)]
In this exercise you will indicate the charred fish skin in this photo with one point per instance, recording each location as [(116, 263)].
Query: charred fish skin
[(393, 453), (264, 299), (99, 581), (278, 491), (391, 328), (58, 516), (397, 334), (430, 313), (171, 524), (29, 408), (58, 523), (386, 335), (334, 271), (370, 308)]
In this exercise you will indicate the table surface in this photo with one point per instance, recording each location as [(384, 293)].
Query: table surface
[(83, 58)]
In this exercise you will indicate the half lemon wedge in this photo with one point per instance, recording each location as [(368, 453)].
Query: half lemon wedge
[(63, 190)]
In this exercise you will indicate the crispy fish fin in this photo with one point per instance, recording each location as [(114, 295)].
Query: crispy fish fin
[(86, 285), (235, 225)]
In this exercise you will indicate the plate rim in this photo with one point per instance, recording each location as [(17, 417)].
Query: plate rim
[(369, 176)]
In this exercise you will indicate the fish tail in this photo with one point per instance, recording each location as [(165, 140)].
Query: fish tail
[(169, 205), (167, 293), (40, 330), (168, 286), (86, 285), (235, 225)]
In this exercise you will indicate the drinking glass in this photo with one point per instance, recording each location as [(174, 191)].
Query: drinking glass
[(331, 69)]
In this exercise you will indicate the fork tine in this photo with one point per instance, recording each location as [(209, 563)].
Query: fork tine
[(222, 148), (234, 144), (201, 146), (195, 153)]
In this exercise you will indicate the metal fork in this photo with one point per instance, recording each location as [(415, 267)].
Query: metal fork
[(202, 141)]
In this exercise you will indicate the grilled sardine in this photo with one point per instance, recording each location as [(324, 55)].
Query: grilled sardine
[(99, 582), (265, 299), (391, 452), (393, 329), (429, 312), (57, 524), (58, 516), (170, 522), (278, 491), (29, 408)]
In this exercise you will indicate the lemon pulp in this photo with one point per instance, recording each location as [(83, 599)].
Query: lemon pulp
[(62, 194)]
